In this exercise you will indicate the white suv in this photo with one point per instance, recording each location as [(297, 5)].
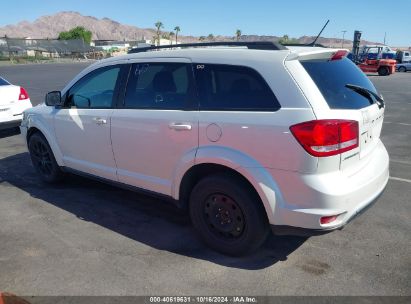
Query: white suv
[(246, 137)]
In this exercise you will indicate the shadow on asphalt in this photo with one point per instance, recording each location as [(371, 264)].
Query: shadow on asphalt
[(142, 218), (9, 132)]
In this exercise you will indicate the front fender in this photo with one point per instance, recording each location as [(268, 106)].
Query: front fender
[(47, 129)]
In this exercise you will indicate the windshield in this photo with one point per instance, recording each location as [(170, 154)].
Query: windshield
[(331, 78), (3, 82)]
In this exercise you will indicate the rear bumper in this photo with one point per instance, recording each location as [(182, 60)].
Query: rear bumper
[(307, 198), (10, 124), (306, 232)]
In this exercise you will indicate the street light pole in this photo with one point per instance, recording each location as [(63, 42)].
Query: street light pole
[(342, 44)]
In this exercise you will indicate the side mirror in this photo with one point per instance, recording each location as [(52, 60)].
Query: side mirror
[(54, 98)]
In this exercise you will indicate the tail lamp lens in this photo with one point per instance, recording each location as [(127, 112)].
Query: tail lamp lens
[(23, 94), (327, 137)]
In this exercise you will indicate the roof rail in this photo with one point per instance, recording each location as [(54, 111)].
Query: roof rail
[(254, 45), (302, 44)]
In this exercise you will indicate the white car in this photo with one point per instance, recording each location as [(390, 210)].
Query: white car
[(13, 101), (247, 137)]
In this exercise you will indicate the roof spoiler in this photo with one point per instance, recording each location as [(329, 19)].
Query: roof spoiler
[(319, 54)]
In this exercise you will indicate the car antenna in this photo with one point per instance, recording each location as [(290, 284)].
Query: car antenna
[(318, 36)]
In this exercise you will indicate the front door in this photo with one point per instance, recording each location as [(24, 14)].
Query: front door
[(83, 126)]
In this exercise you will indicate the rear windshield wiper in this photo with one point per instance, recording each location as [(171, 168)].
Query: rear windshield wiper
[(363, 91)]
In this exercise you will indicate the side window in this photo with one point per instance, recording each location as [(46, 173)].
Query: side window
[(95, 90), (233, 88), (159, 86)]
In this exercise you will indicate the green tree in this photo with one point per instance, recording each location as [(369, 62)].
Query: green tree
[(202, 38), (210, 37), (159, 25), (177, 29), (284, 39), (78, 32), (238, 34), (287, 40)]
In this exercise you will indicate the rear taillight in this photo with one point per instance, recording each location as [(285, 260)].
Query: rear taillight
[(340, 54), (23, 94), (327, 137)]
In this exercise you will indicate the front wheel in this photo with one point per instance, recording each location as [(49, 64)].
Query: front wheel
[(402, 69), (43, 159), (383, 71), (228, 215)]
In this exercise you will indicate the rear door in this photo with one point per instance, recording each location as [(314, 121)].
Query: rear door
[(154, 130), (331, 78)]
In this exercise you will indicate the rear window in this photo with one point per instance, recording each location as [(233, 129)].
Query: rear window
[(3, 82), (331, 78)]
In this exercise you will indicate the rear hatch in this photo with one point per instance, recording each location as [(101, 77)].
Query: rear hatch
[(350, 95)]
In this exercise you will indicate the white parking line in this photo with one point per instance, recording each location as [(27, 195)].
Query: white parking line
[(404, 162), (397, 123), (400, 179)]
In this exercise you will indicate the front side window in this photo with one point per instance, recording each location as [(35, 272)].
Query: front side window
[(159, 86), (233, 88), (95, 90)]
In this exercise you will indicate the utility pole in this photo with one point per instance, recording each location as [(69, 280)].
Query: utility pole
[(342, 44), (385, 36)]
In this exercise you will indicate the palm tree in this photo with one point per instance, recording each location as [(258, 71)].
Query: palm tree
[(170, 35), (238, 34), (159, 25), (177, 29), (210, 37)]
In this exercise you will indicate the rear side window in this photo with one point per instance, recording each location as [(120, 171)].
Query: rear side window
[(233, 88), (162, 86), (331, 78), (3, 82)]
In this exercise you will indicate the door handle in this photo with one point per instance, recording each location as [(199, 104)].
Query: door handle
[(180, 126), (99, 120)]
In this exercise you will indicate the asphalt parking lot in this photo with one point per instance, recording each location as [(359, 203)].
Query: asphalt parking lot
[(86, 238)]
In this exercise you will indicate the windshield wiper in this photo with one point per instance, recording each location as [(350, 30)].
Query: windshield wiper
[(363, 91)]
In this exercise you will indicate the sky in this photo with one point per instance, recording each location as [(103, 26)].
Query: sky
[(223, 17)]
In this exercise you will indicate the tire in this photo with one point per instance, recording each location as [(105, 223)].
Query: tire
[(383, 71), (43, 159), (402, 69), (228, 216)]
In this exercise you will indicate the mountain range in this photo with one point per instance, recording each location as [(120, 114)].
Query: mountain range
[(107, 29)]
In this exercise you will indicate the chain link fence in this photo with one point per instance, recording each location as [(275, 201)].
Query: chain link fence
[(36, 50)]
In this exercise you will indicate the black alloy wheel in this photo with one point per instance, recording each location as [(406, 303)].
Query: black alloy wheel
[(43, 159)]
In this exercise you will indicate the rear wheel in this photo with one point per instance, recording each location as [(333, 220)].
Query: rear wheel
[(43, 159), (228, 216), (402, 69), (383, 71)]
